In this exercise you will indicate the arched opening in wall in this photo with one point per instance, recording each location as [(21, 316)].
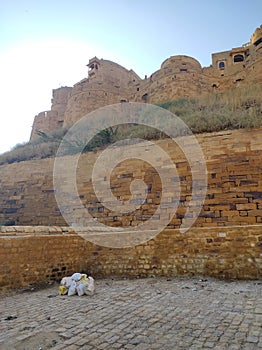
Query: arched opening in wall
[(145, 97), (221, 65), (238, 58)]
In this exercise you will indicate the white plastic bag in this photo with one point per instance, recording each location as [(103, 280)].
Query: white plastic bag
[(76, 276), (90, 286), (80, 288), (77, 284), (72, 289), (66, 281)]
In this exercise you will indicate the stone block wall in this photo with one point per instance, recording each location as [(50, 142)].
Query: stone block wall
[(234, 192), (37, 254), (179, 76), (107, 83), (49, 121), (30, 255), (27, 194)]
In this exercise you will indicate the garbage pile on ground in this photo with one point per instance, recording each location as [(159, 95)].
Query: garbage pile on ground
[(78, 283)]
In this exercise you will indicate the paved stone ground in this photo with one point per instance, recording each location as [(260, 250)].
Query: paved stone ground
[(140, 314)]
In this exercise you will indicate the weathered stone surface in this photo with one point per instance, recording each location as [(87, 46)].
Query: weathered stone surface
[(41, 254), (234, 191), (142, 314), (52, 120)]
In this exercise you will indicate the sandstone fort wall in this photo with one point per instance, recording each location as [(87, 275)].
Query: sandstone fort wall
[(234, 191), (224, 242), (179, 76), (30, 255)]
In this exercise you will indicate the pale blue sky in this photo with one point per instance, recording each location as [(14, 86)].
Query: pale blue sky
[(46, 44)]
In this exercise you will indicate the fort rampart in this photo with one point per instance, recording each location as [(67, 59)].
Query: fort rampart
[(225, 240), (31, 255), (179, 76), (234, 190)]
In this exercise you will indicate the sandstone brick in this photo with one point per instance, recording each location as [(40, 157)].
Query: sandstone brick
[(247, 206), (208, 251), (222, 208)]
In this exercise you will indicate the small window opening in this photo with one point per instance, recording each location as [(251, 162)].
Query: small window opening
[(238, 58), (149, 188), (221, 65), (183, 70)]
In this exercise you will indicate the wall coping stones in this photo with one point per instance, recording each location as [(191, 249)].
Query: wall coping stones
[(66, 230)]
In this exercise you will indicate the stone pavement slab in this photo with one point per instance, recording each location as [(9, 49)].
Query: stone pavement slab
[(141, 314)]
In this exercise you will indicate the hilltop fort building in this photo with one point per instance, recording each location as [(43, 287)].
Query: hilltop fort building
[(178, 76)]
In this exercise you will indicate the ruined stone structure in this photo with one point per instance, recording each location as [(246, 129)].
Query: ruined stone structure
[(178, 76)]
